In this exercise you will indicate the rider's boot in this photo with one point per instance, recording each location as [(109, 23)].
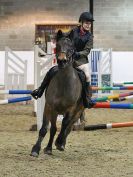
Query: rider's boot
[(87, 93), (37, 93)]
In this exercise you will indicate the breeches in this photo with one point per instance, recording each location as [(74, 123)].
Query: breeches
[(85, 68)]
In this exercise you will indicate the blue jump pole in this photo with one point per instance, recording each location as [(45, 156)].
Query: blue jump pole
[(15, 91), (15, 100)]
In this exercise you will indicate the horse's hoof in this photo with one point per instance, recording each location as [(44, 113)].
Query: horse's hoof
[(59, 147), (35, 151), (47, 151), (34, 154)]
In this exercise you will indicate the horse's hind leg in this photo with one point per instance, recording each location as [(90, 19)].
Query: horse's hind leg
[(79, 125), (82, 117), (36, 148), (53, 129)]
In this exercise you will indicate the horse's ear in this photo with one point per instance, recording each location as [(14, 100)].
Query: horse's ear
[(71, 34), (59, 35)]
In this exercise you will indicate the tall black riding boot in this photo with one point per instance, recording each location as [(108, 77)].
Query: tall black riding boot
[(37, 93), (88, 103)]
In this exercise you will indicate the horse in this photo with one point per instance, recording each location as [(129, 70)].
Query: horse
[(63, 96)]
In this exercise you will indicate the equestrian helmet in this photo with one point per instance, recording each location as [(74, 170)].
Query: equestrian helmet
[(86, 16)]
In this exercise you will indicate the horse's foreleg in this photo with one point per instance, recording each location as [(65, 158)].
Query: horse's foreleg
[(36, 148), (68, 121), (60, 143), (67, 125), (53, 129)]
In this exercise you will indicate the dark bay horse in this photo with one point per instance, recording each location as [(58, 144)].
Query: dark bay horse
[(63, 96)]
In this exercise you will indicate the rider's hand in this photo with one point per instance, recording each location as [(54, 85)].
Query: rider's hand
[(76, 56)]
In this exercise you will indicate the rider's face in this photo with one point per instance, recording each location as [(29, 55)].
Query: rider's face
[(87, 25)]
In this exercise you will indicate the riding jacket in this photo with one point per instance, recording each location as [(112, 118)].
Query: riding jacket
[(83, 43)]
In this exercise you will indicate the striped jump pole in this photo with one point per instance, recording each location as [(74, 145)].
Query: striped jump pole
[(119, 97), (126, 83), (108, 126), (125, 98), (14, 100), (113, 105), (15, 91), (123, 83), (113, 88)]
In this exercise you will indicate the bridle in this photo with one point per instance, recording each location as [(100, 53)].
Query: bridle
[(62, 63)]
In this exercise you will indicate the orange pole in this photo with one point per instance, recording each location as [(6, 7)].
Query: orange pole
[(108, 126), (123, 124)]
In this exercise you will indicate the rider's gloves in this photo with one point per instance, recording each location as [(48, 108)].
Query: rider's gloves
[(76, 56)]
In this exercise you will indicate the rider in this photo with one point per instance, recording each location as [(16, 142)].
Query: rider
[(83, 43)]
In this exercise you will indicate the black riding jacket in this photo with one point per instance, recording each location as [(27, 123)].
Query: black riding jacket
[(83, 44)]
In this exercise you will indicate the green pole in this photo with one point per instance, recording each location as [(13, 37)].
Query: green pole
[(127, 83)]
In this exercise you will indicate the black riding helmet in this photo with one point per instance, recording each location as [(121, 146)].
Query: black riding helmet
[(86, 16)]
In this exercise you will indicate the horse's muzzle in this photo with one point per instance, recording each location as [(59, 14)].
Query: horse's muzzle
[(62, 56)]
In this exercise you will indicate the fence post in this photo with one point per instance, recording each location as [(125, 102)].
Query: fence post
[(15, 76)]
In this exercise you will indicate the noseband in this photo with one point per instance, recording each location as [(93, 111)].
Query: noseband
[(65, 61)]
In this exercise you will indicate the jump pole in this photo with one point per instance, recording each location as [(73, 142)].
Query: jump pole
[(15, 91), (108, 126), (123, 83), (14, 100), (113, 105), (115, 96), (125, 98), (113, 88)]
